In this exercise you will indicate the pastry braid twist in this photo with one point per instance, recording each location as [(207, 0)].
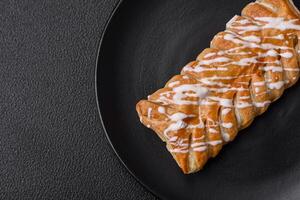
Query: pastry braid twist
[(247, 67)]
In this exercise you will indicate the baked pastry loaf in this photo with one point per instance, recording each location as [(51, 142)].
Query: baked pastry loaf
[(247, 67)]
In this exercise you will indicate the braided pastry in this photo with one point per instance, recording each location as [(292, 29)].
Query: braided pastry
[(247, 67)]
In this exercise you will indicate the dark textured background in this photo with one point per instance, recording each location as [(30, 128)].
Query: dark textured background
[(52, 145)]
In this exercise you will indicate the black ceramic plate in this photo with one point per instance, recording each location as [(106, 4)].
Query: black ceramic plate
[(146, 43)]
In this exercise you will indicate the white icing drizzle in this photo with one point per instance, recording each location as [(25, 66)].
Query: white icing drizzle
[(230, 22), (273, 46), (263, 23), (200, 149), (226, 111), (261, 83), (199, 68), (173, 139), (269, 6), (161, 110), (278, 23), (227, 125), (182, 145), (261, 104), (193, 126), (208, 82), (269, 53), (212, 130), (286, 55), (292, 69), (277, 37), (224, 89), (179, 116), (178, 123), (174, 127), (210, 55), (215, 60), (252, 38), (226, 137), (174, 83), (222, 101), (276, 85), (214, 143), (196, 145), (149, 113), (179, 150), (183, 91), (272, 68), (231, 37), (245, 97), (244, 21), (260, 94), (226, 77)]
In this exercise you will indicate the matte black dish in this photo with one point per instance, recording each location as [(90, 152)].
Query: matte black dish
[(145, 44)]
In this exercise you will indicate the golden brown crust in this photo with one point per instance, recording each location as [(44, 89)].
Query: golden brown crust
[(247, 67)]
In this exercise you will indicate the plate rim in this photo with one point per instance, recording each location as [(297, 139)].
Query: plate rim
[(97, 89)]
